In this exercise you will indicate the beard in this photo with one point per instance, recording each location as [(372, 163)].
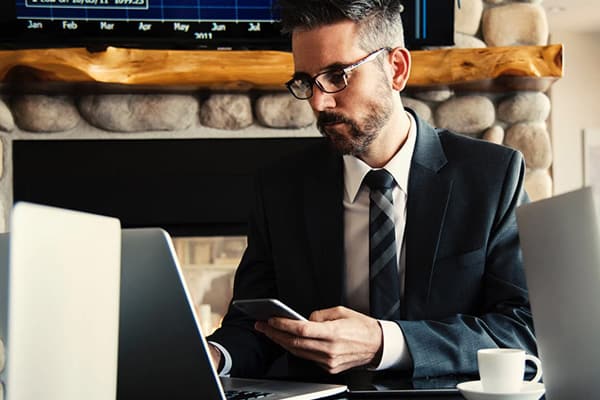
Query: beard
[(359, 134)]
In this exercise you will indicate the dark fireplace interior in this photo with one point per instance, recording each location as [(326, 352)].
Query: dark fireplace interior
[(189, 187)]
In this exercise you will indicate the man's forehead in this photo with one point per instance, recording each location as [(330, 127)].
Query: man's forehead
[(321, 47)]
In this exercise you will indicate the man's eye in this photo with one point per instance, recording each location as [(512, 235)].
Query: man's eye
[(336, 78)]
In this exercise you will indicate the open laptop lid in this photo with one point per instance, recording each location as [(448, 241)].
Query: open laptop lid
[(63, 304), (561, 252), (3, 300), (162, 353)]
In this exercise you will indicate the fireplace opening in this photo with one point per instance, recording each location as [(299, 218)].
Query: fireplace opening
[(198, 190)]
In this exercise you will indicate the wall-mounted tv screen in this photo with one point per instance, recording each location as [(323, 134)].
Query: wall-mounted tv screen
[(182, 24)]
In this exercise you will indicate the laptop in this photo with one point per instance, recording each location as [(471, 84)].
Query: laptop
[(3, 301), (63, 304), (162, 351), (560, 240)]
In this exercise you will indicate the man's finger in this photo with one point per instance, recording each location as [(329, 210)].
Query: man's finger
[(288, 340), (306, 329), (329, 314)]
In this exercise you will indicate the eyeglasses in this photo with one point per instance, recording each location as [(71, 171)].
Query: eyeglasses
[(331, 81)]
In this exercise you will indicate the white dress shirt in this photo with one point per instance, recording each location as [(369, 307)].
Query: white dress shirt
[(356, 246), (356, 241)]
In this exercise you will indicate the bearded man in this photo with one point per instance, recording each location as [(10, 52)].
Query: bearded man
[(398, 241)]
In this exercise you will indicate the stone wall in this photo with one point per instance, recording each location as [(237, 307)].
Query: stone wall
[(516, 119)]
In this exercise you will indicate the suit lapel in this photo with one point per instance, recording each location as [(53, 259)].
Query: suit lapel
[(323, 195), (428, 194)]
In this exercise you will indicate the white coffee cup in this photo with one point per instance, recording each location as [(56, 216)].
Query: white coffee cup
[(502, 370)]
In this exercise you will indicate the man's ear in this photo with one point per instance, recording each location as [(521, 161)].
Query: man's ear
[(400, 61)]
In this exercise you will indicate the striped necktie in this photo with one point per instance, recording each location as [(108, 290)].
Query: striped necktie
[(384, 282)]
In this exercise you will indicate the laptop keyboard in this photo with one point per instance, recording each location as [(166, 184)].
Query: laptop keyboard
[(244, 395)]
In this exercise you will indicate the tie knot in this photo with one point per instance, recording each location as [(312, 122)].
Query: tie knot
[(379, 179)]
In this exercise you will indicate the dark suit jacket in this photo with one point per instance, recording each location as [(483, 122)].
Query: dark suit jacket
[(465, 286)]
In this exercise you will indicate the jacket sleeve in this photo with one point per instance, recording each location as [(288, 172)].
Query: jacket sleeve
[(449, 345)]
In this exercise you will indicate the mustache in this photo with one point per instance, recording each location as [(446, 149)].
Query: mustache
[(328, 118)]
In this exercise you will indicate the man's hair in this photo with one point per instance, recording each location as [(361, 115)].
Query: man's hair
[(379, 22)]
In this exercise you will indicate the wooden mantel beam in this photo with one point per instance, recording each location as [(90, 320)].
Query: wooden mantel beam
[(265, 69), (518, 67)]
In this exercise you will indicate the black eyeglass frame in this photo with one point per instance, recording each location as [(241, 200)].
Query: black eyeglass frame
[(313, 80)]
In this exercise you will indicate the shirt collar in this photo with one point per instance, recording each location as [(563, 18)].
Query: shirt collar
[(355, 169)]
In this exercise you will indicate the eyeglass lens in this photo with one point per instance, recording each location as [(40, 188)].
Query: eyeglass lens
[(328, 81), (301, 87)]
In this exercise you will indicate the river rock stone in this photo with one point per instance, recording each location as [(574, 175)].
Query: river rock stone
[(434, 95), (41, 113), (227, 111), (469, 115), (421, 108), (533, 141), (495, 134), (7, 122), (282, 110), (515, 24), (525, 106), (538, 184), (463, 41), (139, 112), (468, 16)]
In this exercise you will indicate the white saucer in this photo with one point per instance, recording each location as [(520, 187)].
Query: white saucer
[(473, 390)]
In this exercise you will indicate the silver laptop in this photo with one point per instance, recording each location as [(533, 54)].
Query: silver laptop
[(3, 300), (63, 304), (162, 351), (561, 252)]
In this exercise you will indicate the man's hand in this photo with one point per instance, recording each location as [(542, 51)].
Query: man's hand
[(336, 338), (215, 355)]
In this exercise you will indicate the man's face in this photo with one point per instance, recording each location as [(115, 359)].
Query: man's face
[(352, 118)]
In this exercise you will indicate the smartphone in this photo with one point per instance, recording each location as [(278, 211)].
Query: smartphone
[(263, 309)]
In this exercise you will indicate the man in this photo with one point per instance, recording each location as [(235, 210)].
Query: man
[(452, 282)]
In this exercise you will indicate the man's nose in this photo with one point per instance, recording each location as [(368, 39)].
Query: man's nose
[(320, 100)]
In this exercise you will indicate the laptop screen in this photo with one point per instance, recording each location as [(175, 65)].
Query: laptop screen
[(161, 351)]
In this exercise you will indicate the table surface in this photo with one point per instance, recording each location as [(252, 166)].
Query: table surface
[(456, 396), (449, 382), (369, 380)]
